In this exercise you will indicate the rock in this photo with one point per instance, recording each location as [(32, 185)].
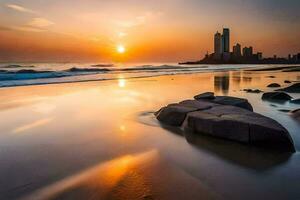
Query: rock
[(296, 114), (225, 100), (295, 101), (227, 122), (287, 81), (257, 91), (206, 95), (233, 101), (173, 115), (199, 105), (276, 96), (295, 88), (239, 125), (273, 85), (284, 110), (271, 76)]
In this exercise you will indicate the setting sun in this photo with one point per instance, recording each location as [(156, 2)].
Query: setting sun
[(121, 49)]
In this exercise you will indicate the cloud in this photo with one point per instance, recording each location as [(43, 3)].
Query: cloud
[(20, 8), (122, 34), (40, 23), (5, 28), (21, 28), (137, 21)]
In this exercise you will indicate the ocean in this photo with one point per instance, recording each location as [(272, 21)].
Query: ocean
[(20, 74)]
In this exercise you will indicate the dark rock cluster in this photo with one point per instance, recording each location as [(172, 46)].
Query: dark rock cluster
[(228, 118)]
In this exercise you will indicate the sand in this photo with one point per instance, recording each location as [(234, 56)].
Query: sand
[(99, 140)]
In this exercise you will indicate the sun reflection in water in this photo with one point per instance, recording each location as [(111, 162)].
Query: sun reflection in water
[(122, 82), (100, 179)]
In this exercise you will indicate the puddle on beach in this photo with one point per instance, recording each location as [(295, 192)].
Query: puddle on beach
[(101, 140)]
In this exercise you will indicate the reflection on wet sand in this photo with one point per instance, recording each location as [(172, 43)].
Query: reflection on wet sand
[(100, 180), (140, 176), (246, 156)]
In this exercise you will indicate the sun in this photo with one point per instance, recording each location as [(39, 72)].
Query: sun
[(121, 49)]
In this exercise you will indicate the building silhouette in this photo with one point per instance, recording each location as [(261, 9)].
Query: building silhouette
[(247, 52), (226, 40), (222, 54), (218, 46), (237, 53)]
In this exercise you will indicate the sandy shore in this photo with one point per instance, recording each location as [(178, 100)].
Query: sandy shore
[(99, 140)]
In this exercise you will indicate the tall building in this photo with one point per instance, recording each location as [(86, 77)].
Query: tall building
[(226, 40), (248, 52), (237, 51), (218, 46)]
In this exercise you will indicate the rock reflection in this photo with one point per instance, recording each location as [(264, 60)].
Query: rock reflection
[(244, 155)]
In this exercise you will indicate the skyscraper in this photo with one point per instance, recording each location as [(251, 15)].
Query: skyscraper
[(248, 52), (218, 46), (237, 51), (226, 40)]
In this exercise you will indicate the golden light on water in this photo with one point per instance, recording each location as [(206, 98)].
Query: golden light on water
[(122, 83)]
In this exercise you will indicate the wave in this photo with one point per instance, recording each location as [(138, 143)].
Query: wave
[(103, 65), (162, 67), (27, 74), (17, 66), (75, 69), (61, 74)]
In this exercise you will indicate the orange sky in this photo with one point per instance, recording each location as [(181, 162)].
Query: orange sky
[(153, 31)]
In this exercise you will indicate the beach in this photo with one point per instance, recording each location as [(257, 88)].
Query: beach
[(99, 139)]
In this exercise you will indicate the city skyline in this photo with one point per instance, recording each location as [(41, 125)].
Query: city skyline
[(173, 30), (222, 53)]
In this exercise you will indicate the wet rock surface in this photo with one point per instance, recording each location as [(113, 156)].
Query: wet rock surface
[(296, 114), (226, 121), (276, 96), (227, 100), (295, 88)]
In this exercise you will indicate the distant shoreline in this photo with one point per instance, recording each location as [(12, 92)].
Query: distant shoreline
[(235, 63)]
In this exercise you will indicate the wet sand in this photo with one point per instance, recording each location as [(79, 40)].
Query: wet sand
[(99, 140)]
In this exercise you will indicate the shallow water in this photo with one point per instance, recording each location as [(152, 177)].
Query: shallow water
[(100, 140)]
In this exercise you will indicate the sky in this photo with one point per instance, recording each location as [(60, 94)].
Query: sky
[(148, 31)]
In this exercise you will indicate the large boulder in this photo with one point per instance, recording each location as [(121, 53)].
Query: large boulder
[(276, 96), (227, 122), (175, 114), (295, 88), (240, 125), (227, 100), (233, 101)]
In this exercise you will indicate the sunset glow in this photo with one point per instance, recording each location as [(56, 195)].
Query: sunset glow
[(121, 49), (169, 31)]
